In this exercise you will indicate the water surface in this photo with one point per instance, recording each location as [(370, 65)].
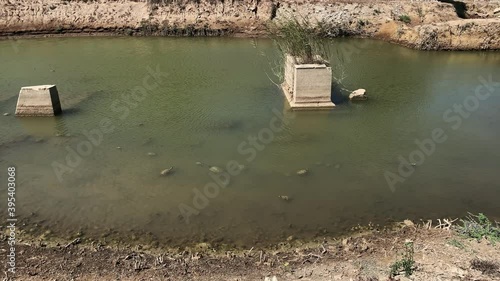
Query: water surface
[(213, 94)]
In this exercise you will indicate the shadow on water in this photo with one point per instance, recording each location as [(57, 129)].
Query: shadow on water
[(71, 103), (227, 125), (71, 111), (337, 96)]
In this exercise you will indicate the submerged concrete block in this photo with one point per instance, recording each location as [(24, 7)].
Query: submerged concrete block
[(307, 85), (38, 101)]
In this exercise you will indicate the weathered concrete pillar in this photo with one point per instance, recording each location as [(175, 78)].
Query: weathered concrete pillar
[(38, 101), (307, 85)]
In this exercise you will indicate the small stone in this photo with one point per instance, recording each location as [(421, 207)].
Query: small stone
[(215, 169), (290, 238), (166, 171), (118, 147), (6, 114), (151, 154), (496, 11), (199, 163), (302, 172), (408, 223), (414, 164)]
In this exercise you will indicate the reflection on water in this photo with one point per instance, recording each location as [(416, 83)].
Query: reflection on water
[(214, 96)]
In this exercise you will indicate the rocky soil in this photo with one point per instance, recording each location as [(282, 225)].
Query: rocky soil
[(439, 254), (427, 25)]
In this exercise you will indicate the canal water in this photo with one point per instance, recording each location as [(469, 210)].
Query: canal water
[(133, 107)]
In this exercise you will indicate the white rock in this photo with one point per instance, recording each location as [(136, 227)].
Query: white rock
[(359, 94), (151, 154), (6, 114)]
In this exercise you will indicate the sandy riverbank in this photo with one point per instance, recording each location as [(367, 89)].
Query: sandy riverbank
[(427, 25)]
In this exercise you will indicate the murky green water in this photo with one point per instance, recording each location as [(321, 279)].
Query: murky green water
[(210, 97)]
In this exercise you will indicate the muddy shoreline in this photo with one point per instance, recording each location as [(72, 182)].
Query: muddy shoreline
[(424, 25), (365, 255)]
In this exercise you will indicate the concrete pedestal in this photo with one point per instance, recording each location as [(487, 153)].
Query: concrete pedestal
[(307, 85), (38, 101)]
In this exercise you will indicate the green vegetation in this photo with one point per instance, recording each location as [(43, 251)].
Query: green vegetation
[(478, 227), (300, 39), (405, 18), (406, 263)]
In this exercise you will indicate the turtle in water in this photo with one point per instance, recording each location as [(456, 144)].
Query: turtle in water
[(284, 197), (167, 171)]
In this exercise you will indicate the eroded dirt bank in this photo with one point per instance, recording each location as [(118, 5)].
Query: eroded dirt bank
[(428, 25), (439, 254)]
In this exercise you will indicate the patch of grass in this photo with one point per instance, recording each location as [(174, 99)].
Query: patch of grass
[(406, 263), (456, 243), (479, 227), (301, 39), (405, 18), (486, 267)]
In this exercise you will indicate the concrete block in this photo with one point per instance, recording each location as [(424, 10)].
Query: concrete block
[(38, 101), (307, 85)]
